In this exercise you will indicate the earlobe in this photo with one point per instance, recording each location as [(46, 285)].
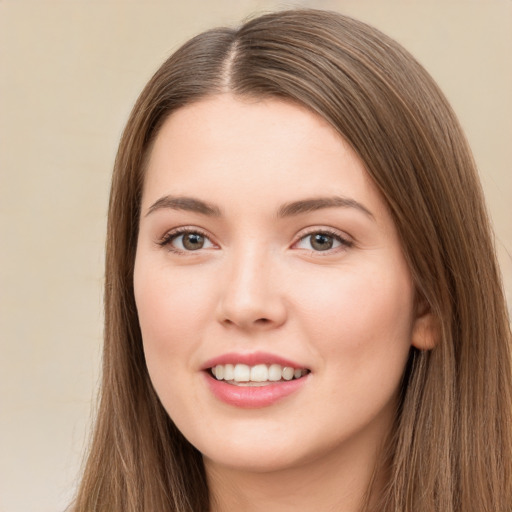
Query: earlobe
[(425, 330)]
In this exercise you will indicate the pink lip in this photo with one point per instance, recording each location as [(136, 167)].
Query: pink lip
[(251, 359), (248, 397), (252, 397)]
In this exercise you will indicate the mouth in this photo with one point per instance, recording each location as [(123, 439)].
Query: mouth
[(257, 375), (254, 380)]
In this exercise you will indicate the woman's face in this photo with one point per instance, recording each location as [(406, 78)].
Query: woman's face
[(266, 253)]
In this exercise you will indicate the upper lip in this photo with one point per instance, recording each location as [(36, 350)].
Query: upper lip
[(250, 359)]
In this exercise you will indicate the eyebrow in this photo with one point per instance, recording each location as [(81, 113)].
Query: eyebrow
[(189, 204), (291, 209), (310, 205)]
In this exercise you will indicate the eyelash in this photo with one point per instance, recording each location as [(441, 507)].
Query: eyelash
[(168, 238), (344, 242)]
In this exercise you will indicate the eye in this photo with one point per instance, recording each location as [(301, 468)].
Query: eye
[(321, 241), (186, 240)]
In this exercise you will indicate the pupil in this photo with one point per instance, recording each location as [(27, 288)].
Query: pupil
[(321, 242), (193, 241)]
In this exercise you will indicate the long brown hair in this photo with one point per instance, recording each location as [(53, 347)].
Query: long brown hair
[(451, 449)]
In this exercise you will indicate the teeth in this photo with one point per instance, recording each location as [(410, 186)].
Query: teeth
[(258, 373), (242, 373), (229, 371), (275, 372), (288, 373)]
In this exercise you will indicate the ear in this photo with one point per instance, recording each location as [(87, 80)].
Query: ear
[(425, 329)]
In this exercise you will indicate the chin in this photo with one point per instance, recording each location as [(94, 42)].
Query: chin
[(255, 460)]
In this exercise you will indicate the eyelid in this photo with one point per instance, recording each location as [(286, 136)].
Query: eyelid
[(345, 240), (166, 240)]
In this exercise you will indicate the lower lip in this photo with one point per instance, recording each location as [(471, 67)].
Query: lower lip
[(253, 397)]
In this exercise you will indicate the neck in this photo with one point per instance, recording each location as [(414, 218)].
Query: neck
[(338, 482)]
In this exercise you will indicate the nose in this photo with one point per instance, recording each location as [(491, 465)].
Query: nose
[(251, 297)]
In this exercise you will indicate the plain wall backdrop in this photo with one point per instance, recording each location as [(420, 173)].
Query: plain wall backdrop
[(70, 72)]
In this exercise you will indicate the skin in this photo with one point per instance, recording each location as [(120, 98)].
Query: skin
[(257, 284)]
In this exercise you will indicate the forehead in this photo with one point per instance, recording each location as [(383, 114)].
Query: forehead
[(226, 148)]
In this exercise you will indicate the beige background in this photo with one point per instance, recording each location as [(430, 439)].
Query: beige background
[(69, 74)]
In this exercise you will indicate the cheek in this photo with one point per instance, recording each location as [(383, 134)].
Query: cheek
[(362, 318), (360, 326), (171, 307), (171, 310)]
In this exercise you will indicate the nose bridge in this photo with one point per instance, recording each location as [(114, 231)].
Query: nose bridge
[(250, 296)]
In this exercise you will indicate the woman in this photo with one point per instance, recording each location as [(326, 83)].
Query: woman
[(303, 307)]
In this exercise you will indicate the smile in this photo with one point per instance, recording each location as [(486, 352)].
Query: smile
[(257, 375), (254, 380)]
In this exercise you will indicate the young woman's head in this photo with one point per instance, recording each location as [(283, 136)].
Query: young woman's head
[(294, 204)]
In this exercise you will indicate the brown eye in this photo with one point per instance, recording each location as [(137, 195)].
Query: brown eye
[(321, 241), (186, 241), (193, 241)]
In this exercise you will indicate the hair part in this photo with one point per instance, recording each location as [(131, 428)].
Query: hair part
[(451, 450)]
